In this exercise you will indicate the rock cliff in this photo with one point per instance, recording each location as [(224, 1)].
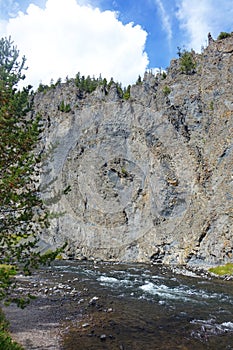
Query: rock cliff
[(151, 177)]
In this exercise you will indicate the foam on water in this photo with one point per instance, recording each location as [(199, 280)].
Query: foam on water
[(181, 292), (149, 290), (108, 280), (115, 282), (165, 292), (228, 325), (210, 327), (144, 284)]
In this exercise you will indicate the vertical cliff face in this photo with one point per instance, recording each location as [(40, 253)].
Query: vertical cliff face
[(150, 178)]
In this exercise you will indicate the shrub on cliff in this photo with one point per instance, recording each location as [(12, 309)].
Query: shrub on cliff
[(223, 35), (166, 90), (187, 63), (64, 107)]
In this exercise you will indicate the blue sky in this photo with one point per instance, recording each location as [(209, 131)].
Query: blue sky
[(159, 46), (115, 38)]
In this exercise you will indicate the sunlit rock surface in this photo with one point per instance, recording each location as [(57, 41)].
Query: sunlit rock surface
[(151, 177)]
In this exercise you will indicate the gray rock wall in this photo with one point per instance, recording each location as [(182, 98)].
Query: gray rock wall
[(151, 178)]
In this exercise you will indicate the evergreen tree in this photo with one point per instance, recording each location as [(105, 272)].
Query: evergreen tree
[(187, 63), (22, 214)]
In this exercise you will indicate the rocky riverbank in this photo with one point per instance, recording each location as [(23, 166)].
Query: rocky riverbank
[(75, 309), (39, 325)]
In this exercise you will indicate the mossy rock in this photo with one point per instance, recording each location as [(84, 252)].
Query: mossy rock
[(222, 269)]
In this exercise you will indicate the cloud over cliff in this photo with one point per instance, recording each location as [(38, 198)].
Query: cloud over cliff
[(65, 38)]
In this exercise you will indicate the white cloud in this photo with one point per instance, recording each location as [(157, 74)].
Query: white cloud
[(65, 38), (165, 21), (198, 18)]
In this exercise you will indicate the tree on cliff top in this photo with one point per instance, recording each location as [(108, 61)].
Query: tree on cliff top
[(187, 62), (22, 214)]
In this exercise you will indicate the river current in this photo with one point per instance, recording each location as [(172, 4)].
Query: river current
[(140, 307)]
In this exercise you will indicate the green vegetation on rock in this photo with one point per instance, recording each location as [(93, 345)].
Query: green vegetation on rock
[(187, 63), (212, 105), (223, 35), (87, 84), (166, 90), (222, 269), (126, 93), (63, 107)]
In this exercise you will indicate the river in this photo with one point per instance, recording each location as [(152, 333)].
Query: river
[(129, 307)]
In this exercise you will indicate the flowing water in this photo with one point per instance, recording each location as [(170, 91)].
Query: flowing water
[(140, 307)]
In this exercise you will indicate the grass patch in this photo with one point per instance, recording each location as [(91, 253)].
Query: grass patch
[(222, 269), (5, 268)]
